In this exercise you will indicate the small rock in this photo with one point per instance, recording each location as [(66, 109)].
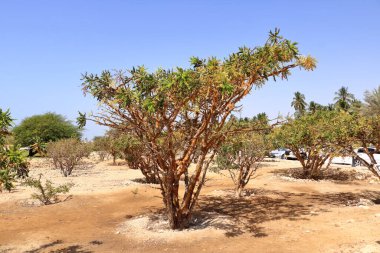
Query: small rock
[(377, 215)]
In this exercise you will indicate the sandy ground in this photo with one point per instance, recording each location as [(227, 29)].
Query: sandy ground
[(109, 210)]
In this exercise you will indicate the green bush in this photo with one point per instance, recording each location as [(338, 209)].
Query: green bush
[(44, 128), (7, 178), (12, 161), (48, 194)]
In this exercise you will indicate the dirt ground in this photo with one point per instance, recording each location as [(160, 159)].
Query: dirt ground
[(109, 209)]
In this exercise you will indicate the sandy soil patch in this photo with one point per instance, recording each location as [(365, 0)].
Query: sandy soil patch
[(110, 211)]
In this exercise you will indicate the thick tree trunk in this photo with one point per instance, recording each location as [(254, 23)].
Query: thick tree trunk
[(150, 176), (239, 191), (240, 182), (178, 219)]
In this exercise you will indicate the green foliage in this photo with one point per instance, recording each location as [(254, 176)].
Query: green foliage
[(344, 99), (5, 122), (38, 147), (242, 153), (108, 144), (318, 134), (67, 154), (372, 102), (100, 146), (12, 161), (363, 131), (7, 179), (44, 128), (138, 157), (314, 107), (48, 193), (299, 103)]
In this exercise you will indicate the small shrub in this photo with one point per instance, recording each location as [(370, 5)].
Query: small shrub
[(67, 154), (107, 145), (100, 145), (7, 178), (12, 161), (48, 194)]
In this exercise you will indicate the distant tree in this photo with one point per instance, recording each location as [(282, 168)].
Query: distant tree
[(262, 118), (113, 146), (330, 107), (343, 99), (371, 105), (242, 153), (100, 145), (44, 128), (356, 106), (318, 134), (362, 131), (313, 107), (299, 104), (67, 154), (187, 106)]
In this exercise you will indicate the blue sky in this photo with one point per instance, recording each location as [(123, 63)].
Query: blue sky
[(45, 46)]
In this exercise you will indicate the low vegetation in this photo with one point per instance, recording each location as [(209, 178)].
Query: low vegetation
[(47, 193), (67, 154), (13, 163), (242, 153)]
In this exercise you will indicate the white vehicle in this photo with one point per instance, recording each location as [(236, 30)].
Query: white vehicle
[(279, 153), (356, 162)]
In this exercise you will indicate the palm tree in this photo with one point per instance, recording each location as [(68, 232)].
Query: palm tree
[(343, 99), (299, 103), (313, 107), (372, 102), (330, 107)]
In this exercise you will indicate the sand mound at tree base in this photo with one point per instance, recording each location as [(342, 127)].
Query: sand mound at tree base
[(155, 228)]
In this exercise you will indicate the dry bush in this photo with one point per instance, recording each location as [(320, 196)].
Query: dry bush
[(329, 174), (67, 154)]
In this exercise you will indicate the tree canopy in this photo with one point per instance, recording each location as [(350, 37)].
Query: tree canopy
[(12, 162), (344, 99), (372, 102), (320, 135), (44, 128), (241, 153), (299, 104)]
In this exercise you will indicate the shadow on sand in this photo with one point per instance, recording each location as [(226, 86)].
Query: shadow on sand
[(66, 249), (247, 213)]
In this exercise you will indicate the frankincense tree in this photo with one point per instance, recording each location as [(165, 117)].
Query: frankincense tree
[(12, 162), (187, 106), (242, 153)]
